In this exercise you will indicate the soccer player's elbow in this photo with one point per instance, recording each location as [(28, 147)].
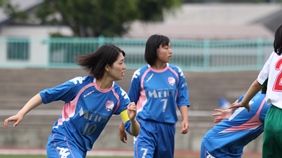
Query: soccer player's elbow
[(132, 127)]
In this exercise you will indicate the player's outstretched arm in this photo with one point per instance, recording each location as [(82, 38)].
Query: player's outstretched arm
[(31, 104), (221, 114), (252, 91)]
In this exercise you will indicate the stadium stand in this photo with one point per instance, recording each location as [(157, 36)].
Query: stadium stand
[(18, 85)]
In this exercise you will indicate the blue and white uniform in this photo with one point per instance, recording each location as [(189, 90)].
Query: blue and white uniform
[(158, 94), (86, 111), (228, 138)]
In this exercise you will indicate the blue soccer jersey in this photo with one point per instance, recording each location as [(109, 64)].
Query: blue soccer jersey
[(87, 109), (158, 93), (228, 138)]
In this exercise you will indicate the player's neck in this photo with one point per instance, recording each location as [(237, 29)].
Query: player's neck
[(159, 65), (104, 83)]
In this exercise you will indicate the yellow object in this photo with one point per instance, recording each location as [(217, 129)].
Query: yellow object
[(124, 116)]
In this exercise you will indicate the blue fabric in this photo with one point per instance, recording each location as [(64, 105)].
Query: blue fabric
[(87, 109)]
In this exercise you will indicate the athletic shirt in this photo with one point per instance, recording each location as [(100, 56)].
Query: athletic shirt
[(87, 109), (230, 136), (158, 93), (272, 71)]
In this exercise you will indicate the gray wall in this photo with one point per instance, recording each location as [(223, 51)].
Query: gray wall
[(19, 85)]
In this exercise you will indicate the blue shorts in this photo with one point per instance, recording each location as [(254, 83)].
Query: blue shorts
[(222, 152), (59, 146), (155, 140), (205, 153)]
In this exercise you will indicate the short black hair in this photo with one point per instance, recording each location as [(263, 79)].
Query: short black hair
[(277, 45), (152, 44)]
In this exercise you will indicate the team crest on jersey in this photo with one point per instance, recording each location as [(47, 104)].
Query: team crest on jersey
[(171, 81), (109, 105)]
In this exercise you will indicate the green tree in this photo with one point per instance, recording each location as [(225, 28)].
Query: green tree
[(92, 18), (13, 10), (233, 1)]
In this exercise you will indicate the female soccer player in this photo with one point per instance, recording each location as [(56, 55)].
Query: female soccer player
[(158, 89), (90, 101), (236, 129), (272, 73)]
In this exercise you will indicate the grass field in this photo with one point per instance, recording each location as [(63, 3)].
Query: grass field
[(43, 156)]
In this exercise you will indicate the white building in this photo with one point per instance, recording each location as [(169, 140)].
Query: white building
[(212, 21)]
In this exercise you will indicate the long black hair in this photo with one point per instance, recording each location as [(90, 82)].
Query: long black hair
[(96, 62)]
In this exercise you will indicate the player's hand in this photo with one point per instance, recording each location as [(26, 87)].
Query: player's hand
[(15, 118), (131, 111), (122, 135), (185, 127), (237, 105), (221, 114)]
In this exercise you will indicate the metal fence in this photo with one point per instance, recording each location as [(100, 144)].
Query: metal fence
[(190, 55)]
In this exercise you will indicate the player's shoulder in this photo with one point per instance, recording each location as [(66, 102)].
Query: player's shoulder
[(119, 90), (143, 68), (174, 67), (274, 56), (177, 69), (117, 87), (81, 80), (140, 71)]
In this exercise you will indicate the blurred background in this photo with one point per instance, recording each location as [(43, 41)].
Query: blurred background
[(220, 45)]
